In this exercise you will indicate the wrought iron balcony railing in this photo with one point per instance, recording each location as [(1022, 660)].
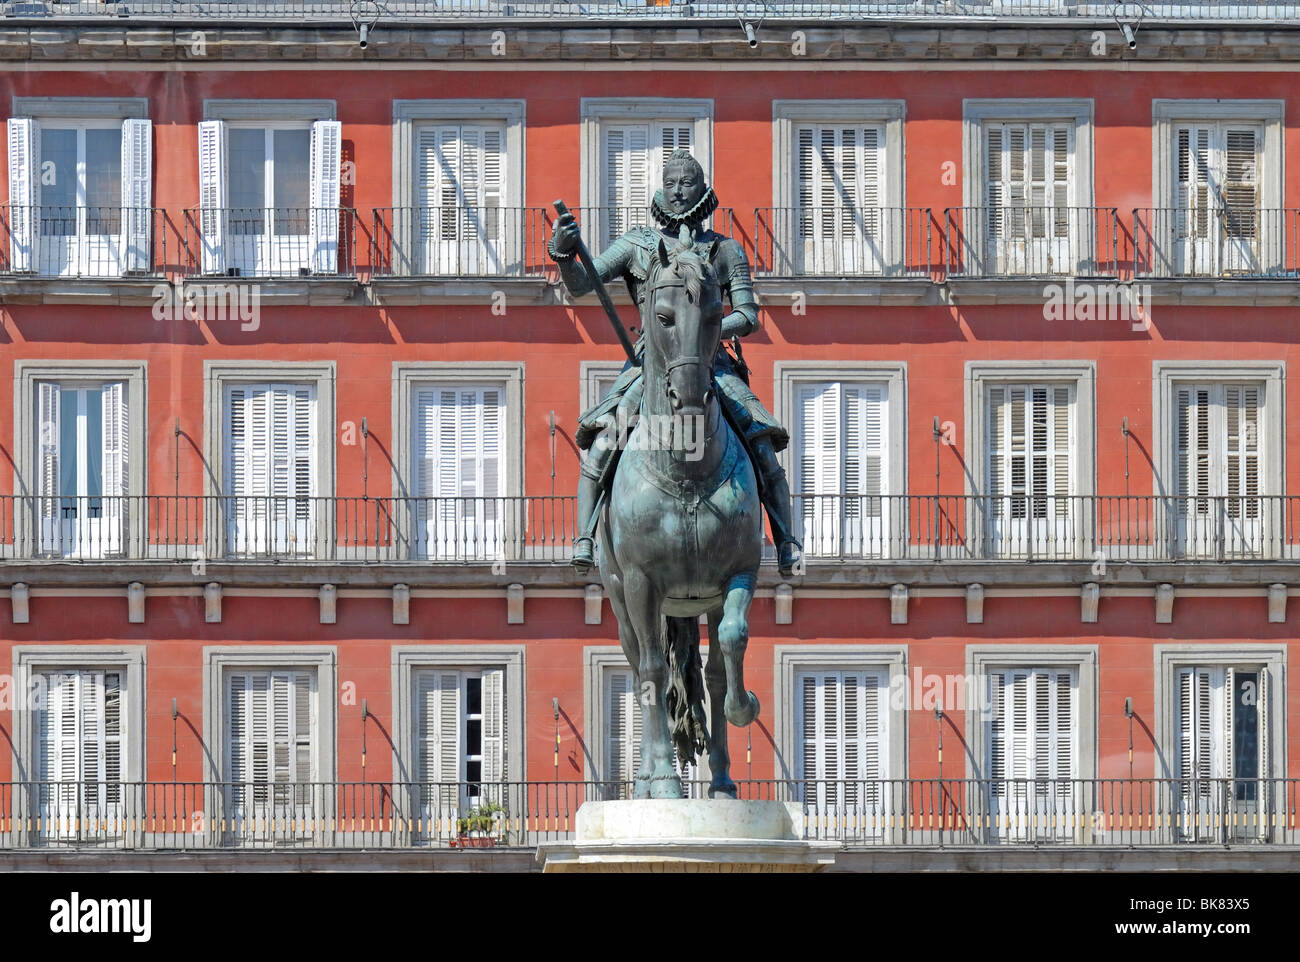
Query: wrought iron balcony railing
[(94, 242), (932, 12), (1215, 241), (953, 812), (1024, 241), (459, 242), (265, 528), (833, 527), (271, 242), (843, 241), (601, 226)]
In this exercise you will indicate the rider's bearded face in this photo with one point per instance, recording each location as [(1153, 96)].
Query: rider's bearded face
[(683, 187)]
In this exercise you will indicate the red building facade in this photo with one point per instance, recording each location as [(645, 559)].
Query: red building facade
[(1027, 316)]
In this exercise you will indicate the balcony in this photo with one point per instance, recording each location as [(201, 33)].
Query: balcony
[(97, 253), (1216, 243), (1078, 814), (427, 11), (1031, 242), (856, 242), (286, 529), (270, 243), (1146, 528), (430, 255), (539, 529), (460, 242)]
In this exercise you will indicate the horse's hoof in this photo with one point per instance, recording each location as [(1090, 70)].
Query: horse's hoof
[(641, 788), (740, 717), (725, 789), (665, 786)]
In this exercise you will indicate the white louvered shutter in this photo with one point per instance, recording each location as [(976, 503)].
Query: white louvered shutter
[(864, 461), (819, 456), (1033, 727), (438, 742), (271, 734), (461, 170), (213, 184), (1030, 456), (843, 739), (326, 171), (494, 727), (1028, 195), (1240, 188), (627, 178), (48, 437), (137, 194), (1241, 455), (80, 745), (113, 407), (840, 172), (24, 192), (622, 731), (460, 465), (1218, 453), (1200, 716), (271, 432)]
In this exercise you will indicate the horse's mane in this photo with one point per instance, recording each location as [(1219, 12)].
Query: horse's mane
[(695, 271)]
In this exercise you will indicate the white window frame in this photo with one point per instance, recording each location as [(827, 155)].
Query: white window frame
[(976, 115), (408, 659), (130, 246), (1268, 658), (599, 663), (1082, 376), (791, 660), (1167, 377), (408, 117), (217, 376), (787, 116), (27, 375), (275, 253), (30, 660), (1166, 117), (219, 661), (408, 376), (892, 375), (981, 660), (598, 112)]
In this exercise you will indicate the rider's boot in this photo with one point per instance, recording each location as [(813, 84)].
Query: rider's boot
[(584, 548), (776, 499)]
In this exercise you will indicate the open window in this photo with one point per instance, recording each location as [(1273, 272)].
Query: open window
[(80, 196), (269, 197), (83, 468)]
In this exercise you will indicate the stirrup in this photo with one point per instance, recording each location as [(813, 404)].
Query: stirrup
[(584, 555), (788, 555)]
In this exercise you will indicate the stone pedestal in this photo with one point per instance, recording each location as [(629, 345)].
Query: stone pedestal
[(688, 835)]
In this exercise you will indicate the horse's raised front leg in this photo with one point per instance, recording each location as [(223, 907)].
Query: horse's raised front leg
[(741, 706), (715, 679), (643, 607)]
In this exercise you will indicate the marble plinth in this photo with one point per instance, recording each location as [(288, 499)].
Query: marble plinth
[(688, 835)]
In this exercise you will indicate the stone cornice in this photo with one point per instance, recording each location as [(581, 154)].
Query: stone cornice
[(509, 43)]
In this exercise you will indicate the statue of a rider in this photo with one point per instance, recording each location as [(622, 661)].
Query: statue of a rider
[(685, 201)]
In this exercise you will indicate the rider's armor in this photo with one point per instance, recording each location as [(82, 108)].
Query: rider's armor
[(629, 257)]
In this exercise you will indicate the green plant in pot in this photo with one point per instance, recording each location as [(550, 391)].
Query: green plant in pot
[(482, 826)]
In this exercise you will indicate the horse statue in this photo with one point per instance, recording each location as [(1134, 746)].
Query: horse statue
[(681, 534)]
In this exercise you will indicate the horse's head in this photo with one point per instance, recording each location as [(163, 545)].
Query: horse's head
[(682, 320)]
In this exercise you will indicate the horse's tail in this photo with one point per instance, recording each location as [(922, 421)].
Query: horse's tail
[(685, 696)]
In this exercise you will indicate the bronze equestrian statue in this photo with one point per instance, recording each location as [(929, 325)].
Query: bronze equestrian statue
[(682, 531), (684, 201)]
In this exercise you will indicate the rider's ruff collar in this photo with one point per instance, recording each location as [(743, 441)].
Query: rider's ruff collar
[(692, 218)]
